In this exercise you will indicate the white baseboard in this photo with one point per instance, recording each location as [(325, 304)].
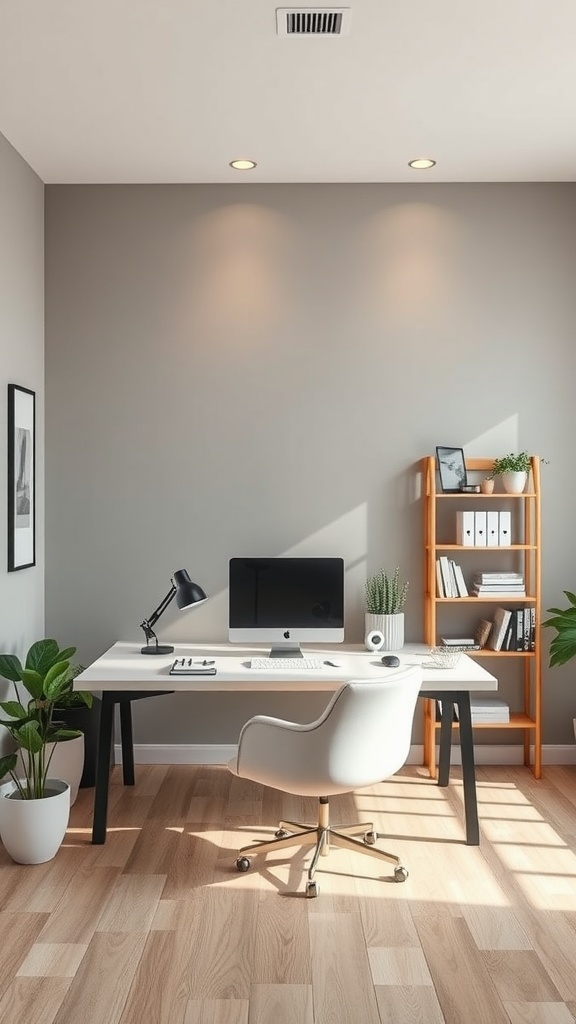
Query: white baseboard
[(213, 753)]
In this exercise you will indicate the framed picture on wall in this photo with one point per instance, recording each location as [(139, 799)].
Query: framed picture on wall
[(452, 469), (21, 478)]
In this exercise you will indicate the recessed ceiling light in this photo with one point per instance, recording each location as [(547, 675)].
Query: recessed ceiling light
[(242, 165), (422, 164)]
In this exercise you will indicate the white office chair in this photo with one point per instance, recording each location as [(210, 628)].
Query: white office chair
[(362, 737)]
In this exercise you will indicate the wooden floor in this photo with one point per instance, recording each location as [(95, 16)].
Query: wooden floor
[(158, 927)]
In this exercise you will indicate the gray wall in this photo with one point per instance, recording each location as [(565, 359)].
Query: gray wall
[(257, 369), (21, 362)]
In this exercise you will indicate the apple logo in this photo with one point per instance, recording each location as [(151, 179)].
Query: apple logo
[(287, 634)]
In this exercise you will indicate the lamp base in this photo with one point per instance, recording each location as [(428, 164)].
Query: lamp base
[(161, 649)]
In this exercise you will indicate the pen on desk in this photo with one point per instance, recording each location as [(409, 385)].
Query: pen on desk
[(208, 662)]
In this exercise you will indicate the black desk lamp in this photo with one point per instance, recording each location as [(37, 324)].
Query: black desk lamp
[(187, 593)]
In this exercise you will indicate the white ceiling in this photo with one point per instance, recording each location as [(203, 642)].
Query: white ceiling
[(172, 90)]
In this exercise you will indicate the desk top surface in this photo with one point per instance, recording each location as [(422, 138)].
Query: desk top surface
[(123, 667)]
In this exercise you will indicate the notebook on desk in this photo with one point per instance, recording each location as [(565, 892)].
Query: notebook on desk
[(193, 667)]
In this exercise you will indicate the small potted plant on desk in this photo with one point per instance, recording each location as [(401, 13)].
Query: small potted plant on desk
[(385, 598), (563, 646), (34, 806)]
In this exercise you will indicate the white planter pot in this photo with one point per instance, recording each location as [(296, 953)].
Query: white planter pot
[(514, 483), (66, 763), (391, 627), (32, 830)]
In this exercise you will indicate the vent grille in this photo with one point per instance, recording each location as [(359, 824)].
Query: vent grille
[(310, 21)]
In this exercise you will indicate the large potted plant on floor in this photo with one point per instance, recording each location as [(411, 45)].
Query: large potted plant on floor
[(563, 645), (34, 807)]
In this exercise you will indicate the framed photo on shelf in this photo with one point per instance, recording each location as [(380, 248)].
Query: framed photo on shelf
[(452, 469), (21, 478)]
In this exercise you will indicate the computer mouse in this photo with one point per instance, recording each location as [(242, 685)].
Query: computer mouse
[(391, 661)]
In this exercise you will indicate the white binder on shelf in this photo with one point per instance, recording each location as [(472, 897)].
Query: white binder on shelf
[(492, 528), (504, 528), (465, 528), (480, 529)]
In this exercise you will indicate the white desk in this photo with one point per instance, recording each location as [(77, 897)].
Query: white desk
[(122, 674)]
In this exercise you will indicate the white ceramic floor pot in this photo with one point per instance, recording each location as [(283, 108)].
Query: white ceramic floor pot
[(391, 627), (514, 483), (32, 830), (66, 763)]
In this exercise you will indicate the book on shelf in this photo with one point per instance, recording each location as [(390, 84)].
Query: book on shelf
[(489, 709), (483, 632), (497, 577), (446, 576), (496, 591), (460, 641), (497, 633), (461, 587)]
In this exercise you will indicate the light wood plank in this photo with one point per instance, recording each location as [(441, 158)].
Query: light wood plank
[(538, 1013), (33, 1000), (132, 904), (341, 980), (406, 967), (216, 1011), (519, 976), (281, 1004), (282, 949), (77, 914), (406, 1004), (100, 989), (52, 960)]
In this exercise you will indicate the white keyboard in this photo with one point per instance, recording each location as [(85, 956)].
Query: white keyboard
[(283, 663)]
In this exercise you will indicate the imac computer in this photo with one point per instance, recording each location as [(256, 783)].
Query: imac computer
[(285, 602)]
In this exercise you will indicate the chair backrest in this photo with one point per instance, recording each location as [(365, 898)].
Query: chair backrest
[(364, 734)]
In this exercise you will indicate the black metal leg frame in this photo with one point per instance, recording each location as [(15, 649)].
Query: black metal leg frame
[(460, 699), (109, 699), (449, 699)]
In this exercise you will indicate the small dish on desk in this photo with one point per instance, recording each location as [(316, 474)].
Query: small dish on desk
[(443, 657)]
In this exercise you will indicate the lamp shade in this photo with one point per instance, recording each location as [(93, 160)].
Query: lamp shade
[(187, 592)]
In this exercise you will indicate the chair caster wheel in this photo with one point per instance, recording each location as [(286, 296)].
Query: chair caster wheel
[(370, 838), (312, 890), (243, 863), (400, 874), (281, 833)]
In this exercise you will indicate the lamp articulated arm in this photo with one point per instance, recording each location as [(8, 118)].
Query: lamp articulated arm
[(148, 624)]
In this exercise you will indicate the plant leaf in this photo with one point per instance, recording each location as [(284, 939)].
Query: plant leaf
[(29, 737), (33, 682), (13, 708), (10, 667), (57, 680), (7, 764), (42, 655)]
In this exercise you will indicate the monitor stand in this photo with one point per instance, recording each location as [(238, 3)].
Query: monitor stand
[(287, 650)]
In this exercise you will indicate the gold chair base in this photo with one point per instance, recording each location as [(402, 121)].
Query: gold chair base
[(322, 836)]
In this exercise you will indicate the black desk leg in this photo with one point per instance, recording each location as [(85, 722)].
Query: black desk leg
[(127, 745), (103, 769), (462, 700), (446, 720)]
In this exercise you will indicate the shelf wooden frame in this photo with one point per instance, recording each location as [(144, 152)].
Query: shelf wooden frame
[(526, 557)]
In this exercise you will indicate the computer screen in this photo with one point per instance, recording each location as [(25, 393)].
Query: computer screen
[(286, 602)]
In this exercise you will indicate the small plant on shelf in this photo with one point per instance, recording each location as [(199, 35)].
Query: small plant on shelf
[(385, 593), (512, 463)]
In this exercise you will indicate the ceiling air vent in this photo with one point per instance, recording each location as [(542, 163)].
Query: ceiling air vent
[(313, 21)]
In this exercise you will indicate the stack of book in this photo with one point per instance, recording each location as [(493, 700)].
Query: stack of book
[(450, 580), (490, 584), (513, 630), (467, 642), (488, 710)]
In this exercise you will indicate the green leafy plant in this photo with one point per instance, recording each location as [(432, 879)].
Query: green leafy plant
[(512, 463), (47, 679), (385, 594), (563, 620)]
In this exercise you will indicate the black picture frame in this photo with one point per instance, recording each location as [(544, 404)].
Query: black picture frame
[(21, 478), (452, 469)]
